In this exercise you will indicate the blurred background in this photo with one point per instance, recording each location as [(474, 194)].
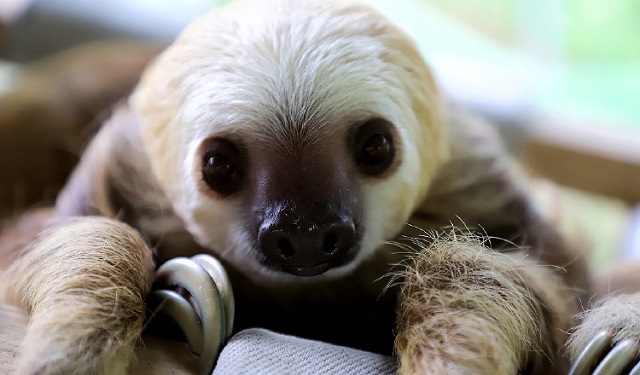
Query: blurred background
[(561, 78)]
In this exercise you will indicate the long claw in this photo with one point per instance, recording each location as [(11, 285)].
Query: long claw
[(210, 322), (219, 276), (619, 358), (180, 310), (589, 356), (635, 370), (600, 357)]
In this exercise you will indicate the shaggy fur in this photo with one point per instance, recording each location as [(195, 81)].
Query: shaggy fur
[(468, 310), (83, 283), (289, 83)]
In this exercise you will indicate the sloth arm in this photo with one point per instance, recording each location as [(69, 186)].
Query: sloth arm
[(83, 282), (114, 179), (483, 189), (105, 256), (93, 332), (533, 284), (615, 310)]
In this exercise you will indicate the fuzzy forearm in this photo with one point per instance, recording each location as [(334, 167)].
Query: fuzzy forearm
[(469, 310), (84, 284)]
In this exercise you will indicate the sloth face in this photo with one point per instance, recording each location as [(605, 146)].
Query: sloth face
[(300, 188), (293, 138)]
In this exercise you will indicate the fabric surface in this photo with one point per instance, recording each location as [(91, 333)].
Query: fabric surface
[(259, 351)]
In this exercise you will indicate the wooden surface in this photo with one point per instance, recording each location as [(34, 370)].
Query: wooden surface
[(592, 157), (585, 171), (154, 357)]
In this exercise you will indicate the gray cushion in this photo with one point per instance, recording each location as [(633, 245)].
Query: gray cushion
[(259, 351)]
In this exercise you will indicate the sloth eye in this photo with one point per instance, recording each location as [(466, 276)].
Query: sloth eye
[(221, 166), (374, 147), (376, 150)]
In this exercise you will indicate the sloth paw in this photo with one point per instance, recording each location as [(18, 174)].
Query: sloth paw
[(608, 340)]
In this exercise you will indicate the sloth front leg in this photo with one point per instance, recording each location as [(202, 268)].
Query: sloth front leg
[(608, 337), (83, 283), (466, 309)]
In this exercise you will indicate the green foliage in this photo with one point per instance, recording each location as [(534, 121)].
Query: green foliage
[(603, 30)]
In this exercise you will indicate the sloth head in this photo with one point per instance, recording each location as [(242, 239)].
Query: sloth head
[(292, 137)]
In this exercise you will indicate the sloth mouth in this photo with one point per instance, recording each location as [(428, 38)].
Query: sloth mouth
[(309, 271), (306, 271), (297, 267)]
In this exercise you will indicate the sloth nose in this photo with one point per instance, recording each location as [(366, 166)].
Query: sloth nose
[(306, 248)]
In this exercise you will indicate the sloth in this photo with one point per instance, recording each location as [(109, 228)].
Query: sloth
[(305, 144)]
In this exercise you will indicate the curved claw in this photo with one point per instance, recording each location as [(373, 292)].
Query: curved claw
[(219, 276), (635, 370), (592, 352), (619, 358), (180, 310), (607, 359), (207, 324)]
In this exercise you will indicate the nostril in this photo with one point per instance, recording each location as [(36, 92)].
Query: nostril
[(338, 239), (330, 243), (276, 245), (285, 248)]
